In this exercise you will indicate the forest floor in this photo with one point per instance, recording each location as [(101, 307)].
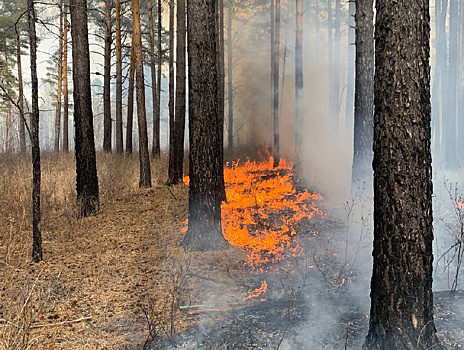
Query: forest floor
[(120, 280)]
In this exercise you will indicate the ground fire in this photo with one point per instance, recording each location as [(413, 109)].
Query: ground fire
[(263, 210)]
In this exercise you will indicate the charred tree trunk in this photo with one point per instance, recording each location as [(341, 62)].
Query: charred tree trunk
[(298, 182), (401, 289), (86, 165), (204, 227), (107, 81), (451, 95), (130, 102), (145, 173), (349, 115), (22, 120), (180, 95), (220, 91), (65, 84), (153, 77), (37, 254), (172, 129), (59, 83), (276, 108), (119, 133), (364, 94), (230, 80)]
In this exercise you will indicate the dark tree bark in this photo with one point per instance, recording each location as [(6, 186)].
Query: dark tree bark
[(154, 94), (145, 173), (22, 120), (172, 129), (86, 165), (401, 290), (451, 94), (65, 83), (37, 254), (130, 102), (298, 180), (220, 91), (107, 81), (205, 191), (119, 133), (180, 95), (230, 80), (276, 108), (59, 82), (364, 94), (349, 113)]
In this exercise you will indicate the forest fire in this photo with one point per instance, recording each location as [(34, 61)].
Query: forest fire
[(263, 210)]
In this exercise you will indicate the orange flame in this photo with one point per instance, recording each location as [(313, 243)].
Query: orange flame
[(257, 292), (263, 209)]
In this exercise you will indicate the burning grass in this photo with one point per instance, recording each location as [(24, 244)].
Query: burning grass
[(263, 210)]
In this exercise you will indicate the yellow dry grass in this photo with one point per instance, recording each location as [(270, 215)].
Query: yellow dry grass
[(98, 270)]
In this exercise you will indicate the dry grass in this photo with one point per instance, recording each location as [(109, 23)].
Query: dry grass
[(99, 270)]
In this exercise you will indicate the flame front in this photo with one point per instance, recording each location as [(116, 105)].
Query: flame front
[(263, 210)]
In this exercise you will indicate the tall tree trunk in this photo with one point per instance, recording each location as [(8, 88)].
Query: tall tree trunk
[(444, 77), (156, 128), (86, 164), (119, 133), (205, 191), (65, 83), (59, 83), (221, 91), (276, 110), (298, 181), (22, 121), (349, 112), (130, 102), (461, 85), (154, 95), (107, 81), (172, 129), (230, 80), (401, 290), (451, 95), (10, 139), (336, 69), (272, 37), (145, 173), (364, 94), (436, 110), (37, 254), (180, 94), (330, 26)]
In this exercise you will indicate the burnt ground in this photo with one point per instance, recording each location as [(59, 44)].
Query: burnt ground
[(323, 307), (304, 324)]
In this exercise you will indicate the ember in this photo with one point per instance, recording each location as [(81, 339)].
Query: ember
[(263, 210), (257, 292)]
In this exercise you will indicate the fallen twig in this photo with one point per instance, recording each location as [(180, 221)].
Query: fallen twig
[(60, 323)]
